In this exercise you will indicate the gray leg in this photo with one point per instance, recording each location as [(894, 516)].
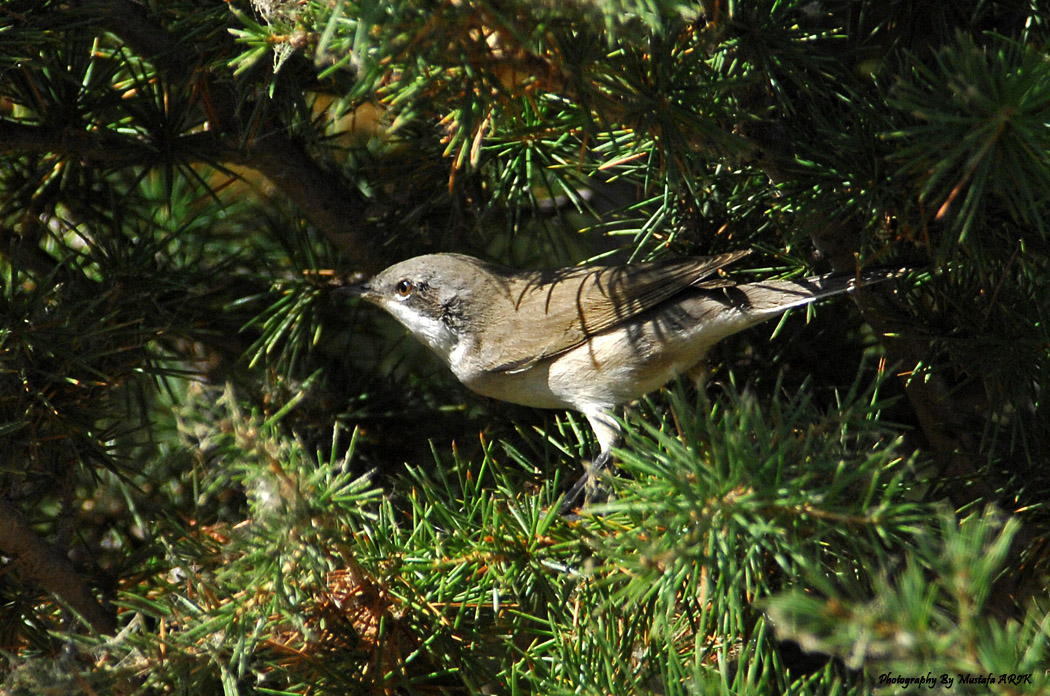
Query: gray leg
[(588, 488)]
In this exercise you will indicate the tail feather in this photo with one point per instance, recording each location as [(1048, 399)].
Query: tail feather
[(769, 297)]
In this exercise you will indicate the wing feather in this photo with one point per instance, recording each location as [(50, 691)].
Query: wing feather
[(578, 303)]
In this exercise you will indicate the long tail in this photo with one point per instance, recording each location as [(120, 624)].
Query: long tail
[(770, 297)]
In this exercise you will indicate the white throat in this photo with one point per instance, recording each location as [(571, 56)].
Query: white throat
[(430, 330)]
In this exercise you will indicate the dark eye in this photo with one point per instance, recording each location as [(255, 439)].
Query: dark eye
[(404, 288)]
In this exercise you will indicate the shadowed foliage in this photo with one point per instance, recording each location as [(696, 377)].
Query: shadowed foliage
[(218, 477)]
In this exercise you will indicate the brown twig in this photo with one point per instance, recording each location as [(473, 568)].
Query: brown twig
[(321, 196), (333, 207), (53, 571)]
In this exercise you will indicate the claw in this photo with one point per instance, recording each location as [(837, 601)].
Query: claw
[(588, 488)]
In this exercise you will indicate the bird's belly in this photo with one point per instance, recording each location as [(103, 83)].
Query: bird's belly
[(529, 386), (615, 368), (618, 365), (608, 370)]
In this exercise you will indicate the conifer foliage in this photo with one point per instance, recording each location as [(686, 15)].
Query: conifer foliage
[(219, 477)]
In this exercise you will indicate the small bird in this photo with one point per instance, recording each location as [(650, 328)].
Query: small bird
[(589, 338)]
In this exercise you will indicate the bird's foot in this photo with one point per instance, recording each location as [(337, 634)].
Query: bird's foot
[(588, 489)]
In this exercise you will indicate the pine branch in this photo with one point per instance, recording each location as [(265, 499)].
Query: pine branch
[(937, 411), (130, 21), (105, 149), (25, 255), (954, 447), (282, 160), (463, 128), (50, 569), (336, 209)]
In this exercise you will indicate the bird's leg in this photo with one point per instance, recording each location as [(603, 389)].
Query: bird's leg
[(588, 488)]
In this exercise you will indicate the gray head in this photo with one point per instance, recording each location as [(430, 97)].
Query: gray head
[(432, 295)]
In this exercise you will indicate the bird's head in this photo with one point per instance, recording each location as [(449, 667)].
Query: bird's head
[(434, 296)]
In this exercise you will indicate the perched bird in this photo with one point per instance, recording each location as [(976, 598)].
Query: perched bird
[(582, 338)]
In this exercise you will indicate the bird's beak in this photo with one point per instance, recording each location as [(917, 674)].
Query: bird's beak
[(362, 290)]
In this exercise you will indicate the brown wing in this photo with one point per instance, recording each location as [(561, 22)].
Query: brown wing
[(578, 303)]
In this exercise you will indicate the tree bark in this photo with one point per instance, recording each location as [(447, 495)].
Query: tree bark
[(50, 569)]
